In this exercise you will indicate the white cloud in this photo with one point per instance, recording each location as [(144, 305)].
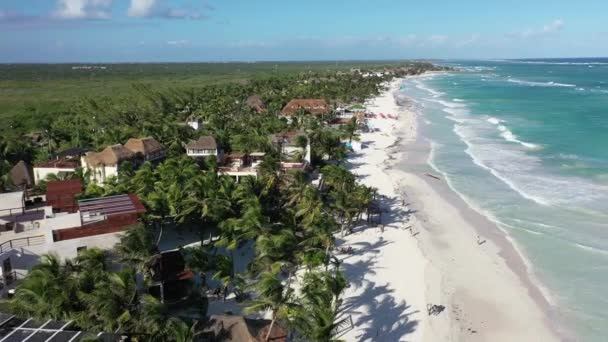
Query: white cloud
[(434, 40), (550, 28), (141, 8), (83, 9), (554, 26), (408, 40), (474, 38), (159, 9), (178, 43)]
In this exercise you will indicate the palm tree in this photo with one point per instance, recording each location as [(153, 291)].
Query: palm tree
[(137, 247), (91, 265), (318, 316), (112, 304), (179, 331), (273, 296), (48, 291), (198, 259)]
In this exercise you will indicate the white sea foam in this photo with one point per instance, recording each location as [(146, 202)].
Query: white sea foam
[(448, 104), (523, 173), (592, 249), (421, 86), (558, 63), (540, 84), (458, 100), (495, 121), (509, 136)]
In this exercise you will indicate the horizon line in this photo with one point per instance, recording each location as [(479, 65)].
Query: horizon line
[(301, 61)]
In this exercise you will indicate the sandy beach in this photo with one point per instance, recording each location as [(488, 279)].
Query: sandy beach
[(433, 249)]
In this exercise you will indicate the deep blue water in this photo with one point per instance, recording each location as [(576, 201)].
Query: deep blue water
[(526, 143)]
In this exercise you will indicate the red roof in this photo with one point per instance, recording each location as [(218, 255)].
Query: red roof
[(61, 195), (312, 106), (59, 164)]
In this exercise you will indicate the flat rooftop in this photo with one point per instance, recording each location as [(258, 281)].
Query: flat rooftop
[(10, 200), (111, 205)]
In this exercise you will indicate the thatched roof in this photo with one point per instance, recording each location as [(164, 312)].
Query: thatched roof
[(111, 155), (312, 106), (255, 102), (21, 175), (146, 146), (240, 329), (205, 142)]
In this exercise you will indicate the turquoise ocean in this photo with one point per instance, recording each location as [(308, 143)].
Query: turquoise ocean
[(525, 142)]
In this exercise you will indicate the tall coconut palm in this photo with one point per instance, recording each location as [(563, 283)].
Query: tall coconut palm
[(318, 315), (137, 248), (272, 296), (48, 291), (112, 304)]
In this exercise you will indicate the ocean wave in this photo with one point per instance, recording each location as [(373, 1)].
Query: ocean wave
[(421, 86), (448, 104), (540, 84), (559, 63), (523, 173), (591, 249), (508, 135), (458, 100)]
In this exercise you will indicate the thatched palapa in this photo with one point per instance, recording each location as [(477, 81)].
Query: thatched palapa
[(111, 155)]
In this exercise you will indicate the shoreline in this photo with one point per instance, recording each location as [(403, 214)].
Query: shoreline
[(488, 289)]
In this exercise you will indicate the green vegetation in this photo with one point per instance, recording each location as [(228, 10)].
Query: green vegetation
[(289, 223), (29, 91)]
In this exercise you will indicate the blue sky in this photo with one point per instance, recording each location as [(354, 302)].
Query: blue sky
[(248, 30)]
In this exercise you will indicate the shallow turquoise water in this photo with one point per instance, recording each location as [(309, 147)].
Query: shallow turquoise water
[(526, 143)]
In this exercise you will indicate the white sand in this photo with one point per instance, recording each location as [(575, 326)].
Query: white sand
[(394, 275)]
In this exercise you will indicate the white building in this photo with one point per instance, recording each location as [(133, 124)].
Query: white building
[(26, 233), (103, 165), (194, 122), (292, 144), (54, 167), (204, 147)]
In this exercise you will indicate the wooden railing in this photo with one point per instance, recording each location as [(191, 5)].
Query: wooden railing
[(22, 242)]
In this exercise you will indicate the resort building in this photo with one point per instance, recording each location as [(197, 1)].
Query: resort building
[(204, 147), (241, 165), (105, 164), (61, 168), (61, 164), (292, 145), (147, 149), (62, 225), (316, 107)]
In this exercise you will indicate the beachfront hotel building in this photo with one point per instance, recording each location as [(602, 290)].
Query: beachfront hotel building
[(60, 224)]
